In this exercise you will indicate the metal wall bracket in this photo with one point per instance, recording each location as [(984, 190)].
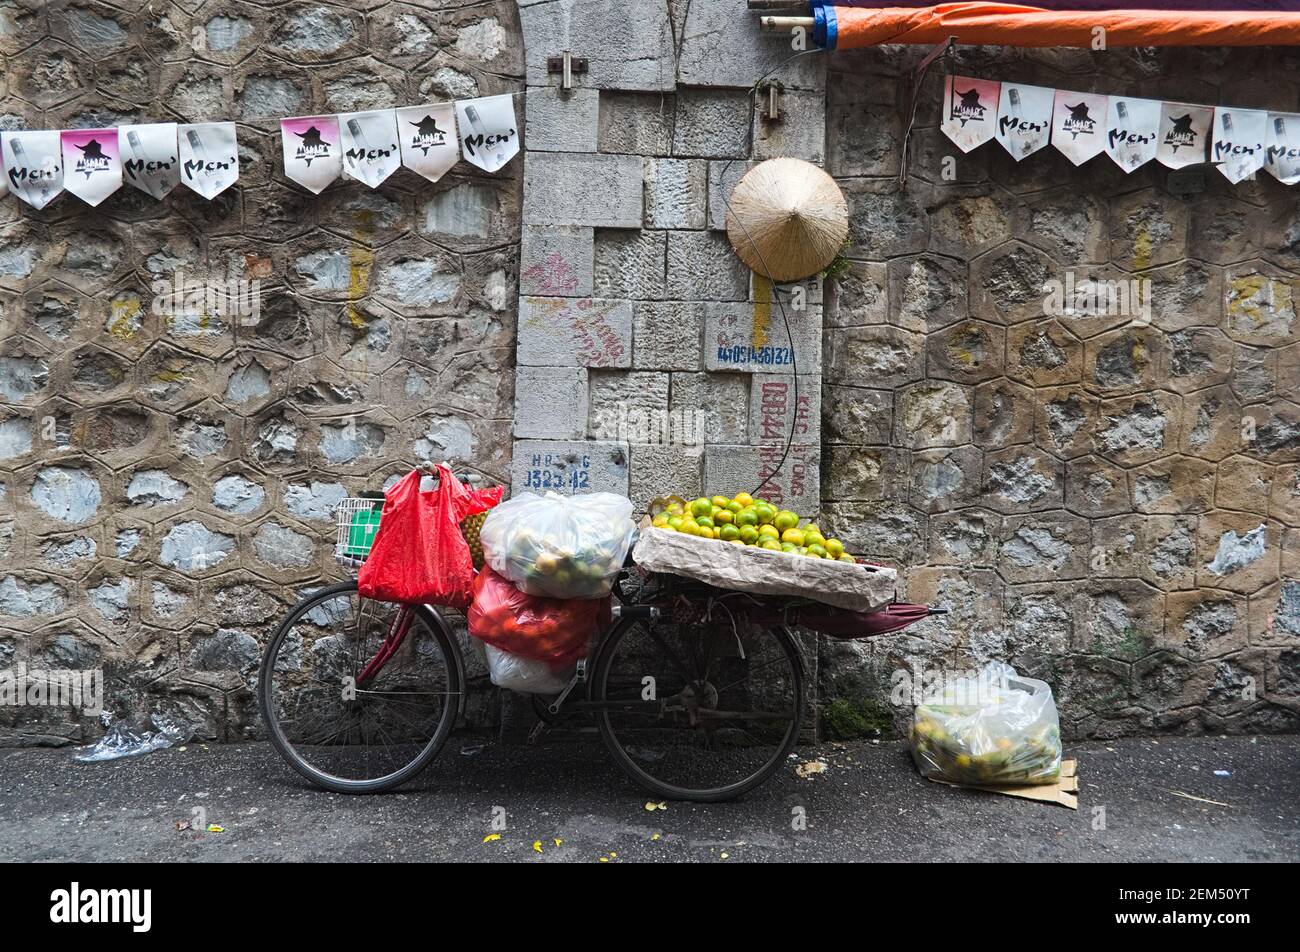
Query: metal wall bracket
[(946, 50), (568, 66), (771, 91)]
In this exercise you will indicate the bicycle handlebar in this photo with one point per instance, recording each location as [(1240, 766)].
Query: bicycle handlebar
[(430, 469)]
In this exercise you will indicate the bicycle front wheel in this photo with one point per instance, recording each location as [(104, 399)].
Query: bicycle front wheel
[(340, 718), (698, 712)]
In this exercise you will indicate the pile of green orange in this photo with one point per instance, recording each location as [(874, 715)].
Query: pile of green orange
[(744, 520)]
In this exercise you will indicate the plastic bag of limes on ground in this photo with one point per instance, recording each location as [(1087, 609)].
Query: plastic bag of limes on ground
[(559, 546), (994, 728)]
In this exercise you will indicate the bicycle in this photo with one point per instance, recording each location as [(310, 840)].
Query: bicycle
[(698, 693)]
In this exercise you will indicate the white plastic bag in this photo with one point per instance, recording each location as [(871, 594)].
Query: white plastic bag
[(523, 674), (994, 728), (559, 546)]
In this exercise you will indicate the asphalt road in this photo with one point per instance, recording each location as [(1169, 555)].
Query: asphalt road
[(869, 804)]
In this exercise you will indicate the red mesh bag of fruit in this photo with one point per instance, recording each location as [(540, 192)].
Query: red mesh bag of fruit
[(554, 630)]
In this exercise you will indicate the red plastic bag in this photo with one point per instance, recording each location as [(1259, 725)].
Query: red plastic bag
[(419, 553), (553, 630)]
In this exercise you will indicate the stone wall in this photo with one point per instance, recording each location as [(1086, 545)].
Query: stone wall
[(1076, 490), (1107, 501), (166, 482), (651, 360)]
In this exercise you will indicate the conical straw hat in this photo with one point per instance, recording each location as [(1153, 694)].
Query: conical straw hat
[(787, 218)]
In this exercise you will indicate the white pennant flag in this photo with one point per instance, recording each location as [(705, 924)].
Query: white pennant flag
[(310, 145), (1284, 147), (33, 164), (1184, 132), (1240, 142), (970, 111), (489, 135), (370, 149), (1024, 118), (1078, 124), (427, 134), (209, 155), (150, 159), (1132, 128), (92, 169)]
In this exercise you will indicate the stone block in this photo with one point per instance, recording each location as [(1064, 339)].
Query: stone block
[(561, 120), (666, 335), (794, 484), (722, 46), (569, 467), (724, 174), (774, 408), (855, 415), (557, 261), (713, 406), (626, 399), (932, 414), (795, 295), (566, 188), (574, 332), (703, 267), (637, 123), (711, 123), (660, 470), (550, 403), (1043, 547), (676, 193), (748, 337), (627, 46), (630, 264), (945, 479), (859, 297), (865, 473), (801, 133)]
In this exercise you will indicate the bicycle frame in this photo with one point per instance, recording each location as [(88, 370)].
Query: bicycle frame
[(400, 627)]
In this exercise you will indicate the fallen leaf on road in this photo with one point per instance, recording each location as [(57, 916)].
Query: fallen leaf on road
[(491, 837), (651, 806), (182, 824), (537, 846), (215, 828), (558, 841), (654, 836), (810, 768)]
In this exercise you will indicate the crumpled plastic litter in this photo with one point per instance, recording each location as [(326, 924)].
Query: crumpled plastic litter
[(122, 740)]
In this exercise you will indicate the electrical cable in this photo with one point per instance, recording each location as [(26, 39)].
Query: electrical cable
[(767, 271)]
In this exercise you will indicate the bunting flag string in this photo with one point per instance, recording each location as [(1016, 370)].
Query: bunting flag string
[(1131, 131), (39, 165)]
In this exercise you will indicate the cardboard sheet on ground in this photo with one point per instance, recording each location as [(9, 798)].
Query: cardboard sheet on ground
[(764, 572), (1064, 792)]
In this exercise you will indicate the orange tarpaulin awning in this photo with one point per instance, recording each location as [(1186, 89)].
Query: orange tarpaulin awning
[(1005, 24)]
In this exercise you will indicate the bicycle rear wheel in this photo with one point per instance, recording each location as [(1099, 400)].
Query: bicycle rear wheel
[(340, 729), (698, 712)]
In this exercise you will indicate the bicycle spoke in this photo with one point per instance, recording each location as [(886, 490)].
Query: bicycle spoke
[(367, 734), (706, 737)]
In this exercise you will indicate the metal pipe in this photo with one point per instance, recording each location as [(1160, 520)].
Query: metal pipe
[(785, 24)]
